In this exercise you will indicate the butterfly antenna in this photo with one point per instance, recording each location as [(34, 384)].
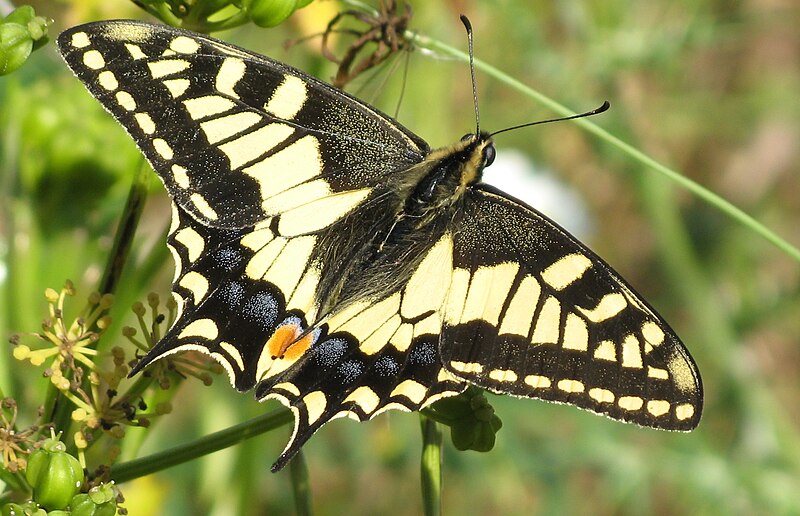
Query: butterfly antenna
[(468, 26), (595, 111)]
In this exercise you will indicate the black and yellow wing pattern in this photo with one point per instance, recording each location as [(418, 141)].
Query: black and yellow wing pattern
[(326, 256)]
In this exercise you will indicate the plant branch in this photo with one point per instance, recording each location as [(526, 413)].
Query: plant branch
[(203, 446)]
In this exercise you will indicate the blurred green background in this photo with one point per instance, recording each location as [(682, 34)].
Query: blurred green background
[(709, 88)]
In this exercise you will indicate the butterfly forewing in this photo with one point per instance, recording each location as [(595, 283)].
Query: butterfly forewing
[(532, 312), (235, 136)]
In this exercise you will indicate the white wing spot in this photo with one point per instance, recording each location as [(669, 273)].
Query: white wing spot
[(568, 385), (411, 389), (108, 80), (205, 328), (289, 387), (230, 73), (146, 123), (315, 405), (602, 395), (288, 98), (576, 334), (365, 398), (234, 353), (163, 149), (684, 412), (177, 87), (224, 127), (631, 353), (653, 334), (538, 382), (192, 241), (606, 351), (80, 40), (547, 324), (608, 306), (135, 51), (94, 60), (184, 45), (503, 375), (125, 100), (682, 374), (197, 284), (566, 271), (202, 107), (466, 367), (630, 403), (203, 207), (181, 176), (658, 407), (165, 67), (254, 144), (655, 372)]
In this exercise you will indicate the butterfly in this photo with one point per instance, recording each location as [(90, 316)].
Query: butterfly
[(326, 256)]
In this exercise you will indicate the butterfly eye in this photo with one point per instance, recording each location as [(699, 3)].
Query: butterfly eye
[(488, 155), (466, 137)]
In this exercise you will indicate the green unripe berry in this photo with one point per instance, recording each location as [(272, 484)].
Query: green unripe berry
[(16, 45), (268, 13), (55, 475), (99, 501)]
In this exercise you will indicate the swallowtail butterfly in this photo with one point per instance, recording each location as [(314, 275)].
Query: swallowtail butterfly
[(326, 256)]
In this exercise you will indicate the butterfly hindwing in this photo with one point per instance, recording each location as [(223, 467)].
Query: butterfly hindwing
[(337, 378), (532, 312), (225, 308), (237, 137), (376, 354)]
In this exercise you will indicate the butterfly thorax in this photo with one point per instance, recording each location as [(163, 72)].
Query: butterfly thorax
[(449, 172), (423, 202)]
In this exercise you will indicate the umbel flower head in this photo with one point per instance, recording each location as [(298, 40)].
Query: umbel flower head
[(67, 344), (94, 381)]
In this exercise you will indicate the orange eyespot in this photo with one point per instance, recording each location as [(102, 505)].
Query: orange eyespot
[(285, 344)]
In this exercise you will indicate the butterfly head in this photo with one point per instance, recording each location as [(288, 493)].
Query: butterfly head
[(481, 148)]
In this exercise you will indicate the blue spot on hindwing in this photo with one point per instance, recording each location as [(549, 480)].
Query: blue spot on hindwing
[(232, 294), (422, 354), (228, 258), (328, 353), (386, 366), (261, 308), (350, 370)]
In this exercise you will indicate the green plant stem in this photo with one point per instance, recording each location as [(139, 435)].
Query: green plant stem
[(431, 467), (301, 487), (126, 230), (703, 193), (437, 416), (123, 240), (14, 482), (208, 444)]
